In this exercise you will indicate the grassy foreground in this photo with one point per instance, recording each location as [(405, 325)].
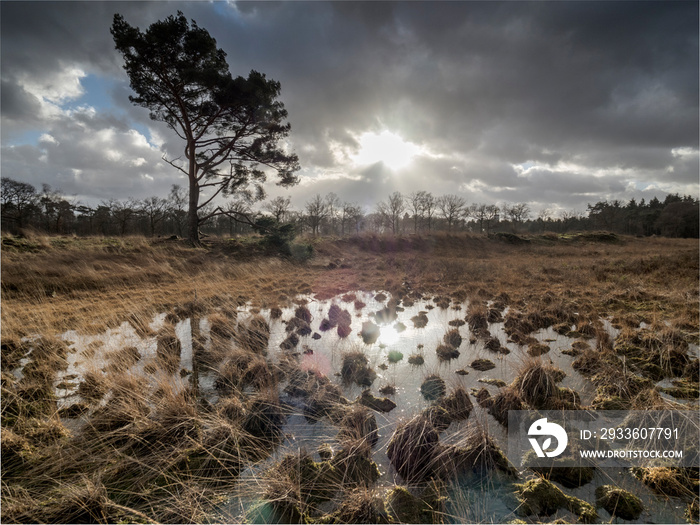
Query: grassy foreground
[(166, 457)]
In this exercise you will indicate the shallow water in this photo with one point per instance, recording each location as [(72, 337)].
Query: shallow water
[(472, 500)]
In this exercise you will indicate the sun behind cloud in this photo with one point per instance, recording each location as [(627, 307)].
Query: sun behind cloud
[(386, 147)]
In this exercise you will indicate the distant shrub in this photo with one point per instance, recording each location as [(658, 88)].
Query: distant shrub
[(301, 251), (278, 237)]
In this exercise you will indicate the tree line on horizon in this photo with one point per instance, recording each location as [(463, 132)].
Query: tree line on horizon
[(49, 211)]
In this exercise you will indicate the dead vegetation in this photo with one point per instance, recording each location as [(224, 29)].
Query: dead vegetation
[(156, 453)]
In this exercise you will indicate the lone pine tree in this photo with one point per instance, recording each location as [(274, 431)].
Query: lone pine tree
[(232, 127)]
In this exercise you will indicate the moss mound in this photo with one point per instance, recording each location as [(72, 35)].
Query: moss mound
[(619, 502), (404, 507), (433, 387), (354, 465), (542, 498), (482, 365)]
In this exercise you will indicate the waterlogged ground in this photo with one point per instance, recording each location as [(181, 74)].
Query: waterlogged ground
[(472, 499)]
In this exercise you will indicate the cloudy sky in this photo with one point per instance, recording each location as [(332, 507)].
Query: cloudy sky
[(557, 104)]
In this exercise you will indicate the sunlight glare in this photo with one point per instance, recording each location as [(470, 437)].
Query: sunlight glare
[(386, 147), (388, 335)]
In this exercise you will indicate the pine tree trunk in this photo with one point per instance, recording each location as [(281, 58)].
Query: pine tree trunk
[(192, 217)]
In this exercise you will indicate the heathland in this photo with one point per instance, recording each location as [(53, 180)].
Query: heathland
[(166, 420)]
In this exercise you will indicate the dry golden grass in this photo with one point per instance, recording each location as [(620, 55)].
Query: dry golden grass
[(159, 454), (66, 283)]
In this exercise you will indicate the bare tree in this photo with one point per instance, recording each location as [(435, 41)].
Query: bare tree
[(516, 213), (278, 207), (122, 212), (350, 214), (236, 208), (451, 208), (478, 211), (428, 206), (316, 211), (392, 209), (486, 214), (415, 206), (57, 211), (333, 207), (155, 210), (177, 202)]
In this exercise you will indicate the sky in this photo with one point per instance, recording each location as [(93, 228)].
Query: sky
[(556, 104)]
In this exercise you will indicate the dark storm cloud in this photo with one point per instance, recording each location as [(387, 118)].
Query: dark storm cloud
[(597, 94)]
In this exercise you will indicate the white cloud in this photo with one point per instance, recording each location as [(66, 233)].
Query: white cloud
[(62, 86), (45, 137)]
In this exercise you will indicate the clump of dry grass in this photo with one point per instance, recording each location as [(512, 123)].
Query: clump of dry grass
[(125, 407), (93, 387), (355, 369), (354, 466), (446, 352), (412, 449), (264, 419), (476, 452), (536, 384), (16, 452), (457, 404), (669, 481), (482, 365), (123, 359), (221, 326), (301, 482), (359, 505), (498, 406), (254, 335), (168, 349), (359, 425)]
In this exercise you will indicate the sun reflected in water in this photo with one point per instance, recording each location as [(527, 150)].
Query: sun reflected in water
[(388, 335)]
